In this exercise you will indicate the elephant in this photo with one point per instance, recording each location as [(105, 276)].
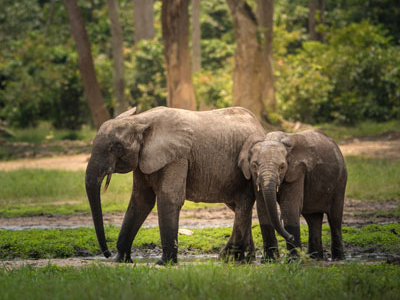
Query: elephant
[(306, 174), (174, 154)]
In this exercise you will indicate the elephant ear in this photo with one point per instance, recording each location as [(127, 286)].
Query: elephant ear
[(298, 156), (245, 153), (168, 138), (128, 113)]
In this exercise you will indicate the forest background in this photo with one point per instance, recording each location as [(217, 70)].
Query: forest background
[(348, 73)]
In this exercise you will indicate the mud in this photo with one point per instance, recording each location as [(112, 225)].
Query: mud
[(356, 214)]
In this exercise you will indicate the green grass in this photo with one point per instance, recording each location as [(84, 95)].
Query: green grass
[(372, 178), (340, 133), (45, 132), (30, 192), (206, 281), (52, 243)]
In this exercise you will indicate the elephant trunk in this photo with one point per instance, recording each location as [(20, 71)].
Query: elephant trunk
[(93, 180), (269, 193)]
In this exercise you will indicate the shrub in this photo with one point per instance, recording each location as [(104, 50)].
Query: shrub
[(350, 78), (145, 75)]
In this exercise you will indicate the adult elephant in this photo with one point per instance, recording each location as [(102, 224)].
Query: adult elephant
[(306, 174), (175, 155)]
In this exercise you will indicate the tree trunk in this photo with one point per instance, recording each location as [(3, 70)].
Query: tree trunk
[(117, 41), (252, 76), (143, 20), (196, 36), (91, 86), (265, 14), (175, 32), (315, 18)]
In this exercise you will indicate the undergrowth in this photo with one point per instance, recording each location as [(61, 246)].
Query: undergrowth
[(51, 243)]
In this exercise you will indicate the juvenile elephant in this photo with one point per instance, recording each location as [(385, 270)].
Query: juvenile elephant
[(306, 174), (175, 155)]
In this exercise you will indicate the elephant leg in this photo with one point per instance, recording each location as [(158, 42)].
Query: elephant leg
[(171, 192), (142, 202), (267, 231), (335, 217), (291, 202), (240, 246), (314, 222)]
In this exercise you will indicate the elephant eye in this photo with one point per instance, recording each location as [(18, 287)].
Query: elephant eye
[(118, 148), (254, 165), (281, 167)]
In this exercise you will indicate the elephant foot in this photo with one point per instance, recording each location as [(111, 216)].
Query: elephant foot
[(237, 253), (167, 260), (338, 255), (107, 254), (270, 255), (122, 258)]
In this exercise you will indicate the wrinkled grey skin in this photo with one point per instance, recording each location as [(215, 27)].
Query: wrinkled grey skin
[(306, 174), (175, 155)]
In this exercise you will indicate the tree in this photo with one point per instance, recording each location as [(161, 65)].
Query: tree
[(196, 36), (86, 67), (253, 74), (265, 15), (143, 20), (175, 34), (118, 56), (315, 17)]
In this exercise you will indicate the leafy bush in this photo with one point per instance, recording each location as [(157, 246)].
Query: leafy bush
[(213, 88), (41, 82), (145, 75), (352, 77)]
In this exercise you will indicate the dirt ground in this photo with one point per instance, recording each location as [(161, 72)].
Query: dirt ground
[(356, 213)]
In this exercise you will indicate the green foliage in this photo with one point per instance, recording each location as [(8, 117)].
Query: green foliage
[(373, 238), (350, 78), (372, 178), (214, 88), (216, 21), (145, 75)]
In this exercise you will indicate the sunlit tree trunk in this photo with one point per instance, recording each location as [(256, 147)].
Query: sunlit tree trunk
[(252, 77), (315, 18), (196, 36), (143, 18), (118, 57), (175, 32), (91, 87)]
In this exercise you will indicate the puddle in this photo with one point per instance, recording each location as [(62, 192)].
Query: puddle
[(370, 257)]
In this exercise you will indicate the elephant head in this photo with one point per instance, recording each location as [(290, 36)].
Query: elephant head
[(147, 141), (269, 160)]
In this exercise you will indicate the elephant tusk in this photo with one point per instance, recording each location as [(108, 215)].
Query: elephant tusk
[(107, 182), (277, 188), (258, 188)]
